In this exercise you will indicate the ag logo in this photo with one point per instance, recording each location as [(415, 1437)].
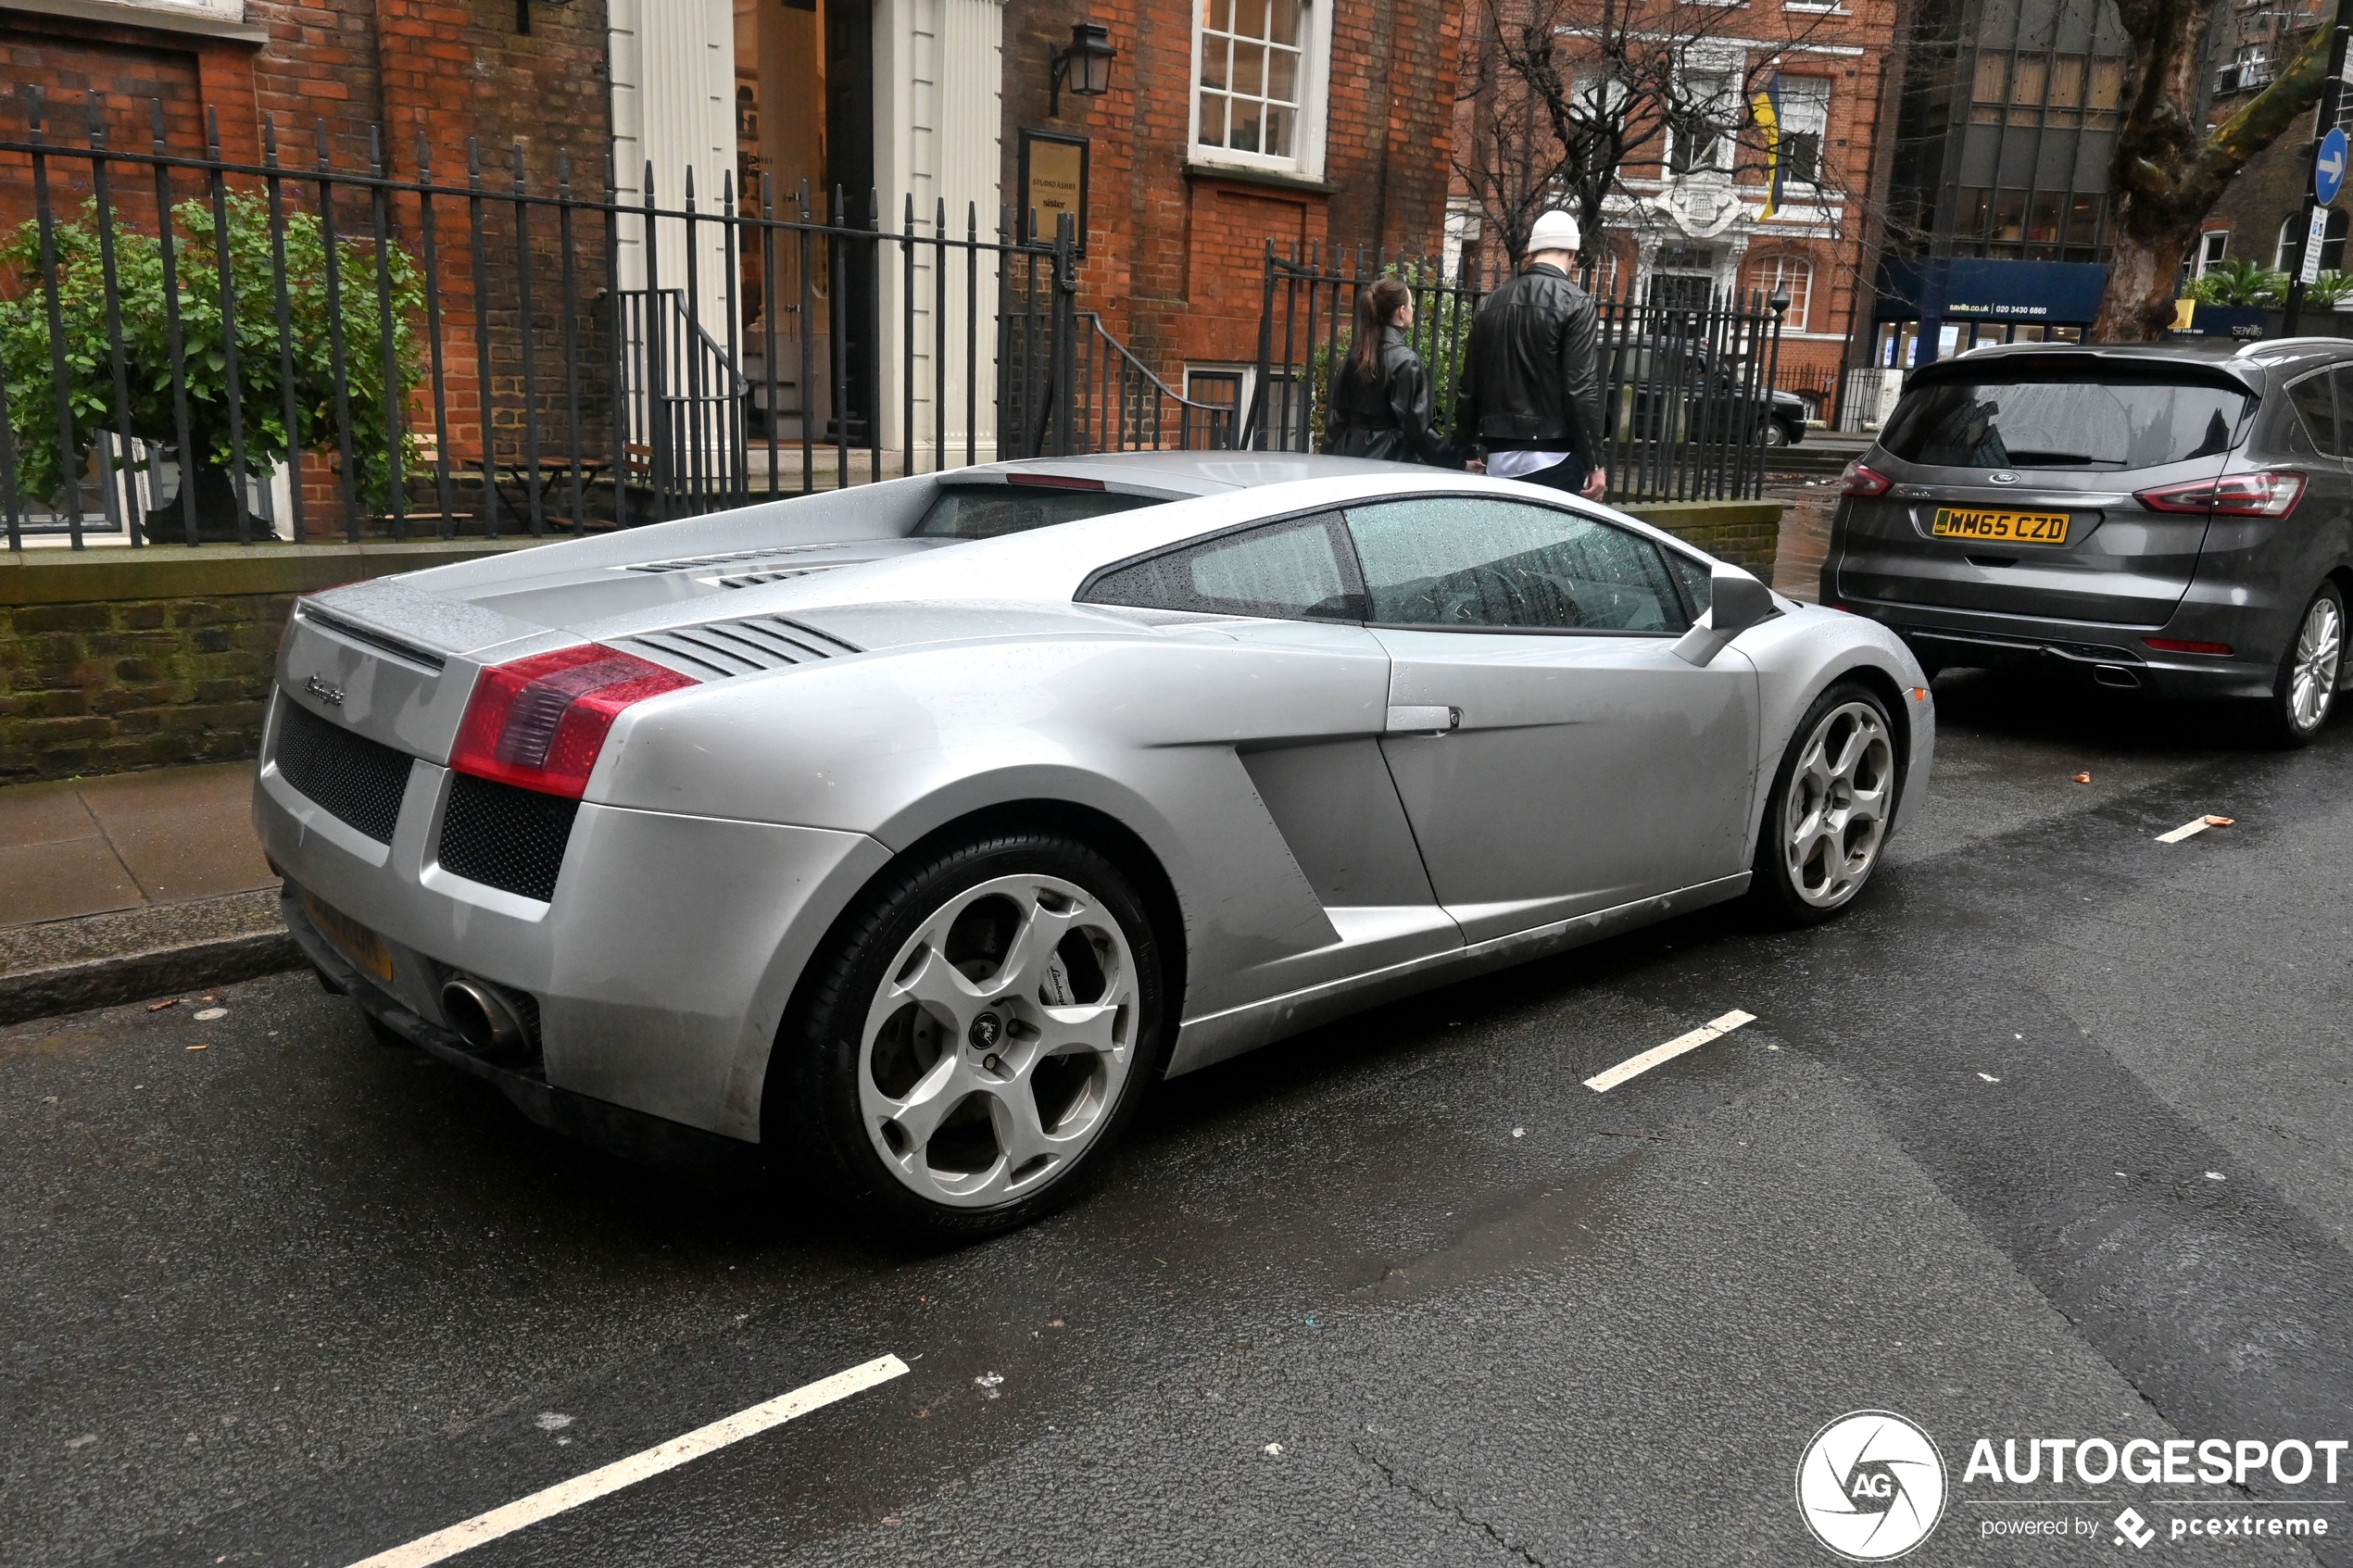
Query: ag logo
[(1871, 1485)]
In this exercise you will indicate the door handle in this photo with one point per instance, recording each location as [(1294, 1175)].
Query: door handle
[(1424, 719)]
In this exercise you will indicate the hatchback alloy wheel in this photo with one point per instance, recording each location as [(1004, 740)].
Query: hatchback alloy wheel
[(2312, 663)]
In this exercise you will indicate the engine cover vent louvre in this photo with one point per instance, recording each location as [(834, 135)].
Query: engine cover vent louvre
[(718, 649), (691, 563), (354, 779)]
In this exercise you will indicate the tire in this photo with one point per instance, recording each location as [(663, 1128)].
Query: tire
[(2304, 693), (946, 1073), (1826, 817), (1775, 435)]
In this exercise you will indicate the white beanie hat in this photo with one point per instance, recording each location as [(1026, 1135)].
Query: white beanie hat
[(1554, 231)]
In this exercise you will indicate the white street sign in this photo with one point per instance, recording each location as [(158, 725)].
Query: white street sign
[(2312, 239)]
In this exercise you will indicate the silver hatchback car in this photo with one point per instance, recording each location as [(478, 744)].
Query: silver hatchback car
[(2151, 516)]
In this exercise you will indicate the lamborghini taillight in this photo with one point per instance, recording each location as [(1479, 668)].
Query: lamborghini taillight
[(539, 722)]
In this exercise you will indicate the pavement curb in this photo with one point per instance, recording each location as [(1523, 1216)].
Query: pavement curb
[(129, 977)]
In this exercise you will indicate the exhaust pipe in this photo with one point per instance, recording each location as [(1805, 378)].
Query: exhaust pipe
[(2116, 675), (482, 1017)]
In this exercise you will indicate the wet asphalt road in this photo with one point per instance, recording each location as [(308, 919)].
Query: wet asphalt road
[(298, 1298)]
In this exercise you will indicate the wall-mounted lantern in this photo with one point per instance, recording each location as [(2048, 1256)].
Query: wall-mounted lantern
[(1084, 67)]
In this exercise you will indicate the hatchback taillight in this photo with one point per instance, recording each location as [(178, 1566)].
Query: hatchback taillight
[(2258, 493), (1858, 480), (539, 722)]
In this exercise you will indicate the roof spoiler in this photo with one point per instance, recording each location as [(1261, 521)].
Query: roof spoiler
[(2072, 364)]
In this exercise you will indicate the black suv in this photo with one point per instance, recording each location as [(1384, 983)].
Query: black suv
[(2156, 516)]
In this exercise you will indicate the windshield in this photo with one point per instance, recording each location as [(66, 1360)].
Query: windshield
[(990, 511), (2069, 425)]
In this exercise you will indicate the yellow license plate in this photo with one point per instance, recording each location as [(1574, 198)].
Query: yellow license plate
[(359, 944), (2018, 528)]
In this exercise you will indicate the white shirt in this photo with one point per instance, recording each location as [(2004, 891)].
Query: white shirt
[(1513, 464)]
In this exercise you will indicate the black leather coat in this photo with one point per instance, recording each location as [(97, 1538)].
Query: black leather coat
[(1531, 373), (1385, 415)]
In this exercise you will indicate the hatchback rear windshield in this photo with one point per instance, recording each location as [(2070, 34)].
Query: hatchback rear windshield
[(988, 511), (2062, 424)]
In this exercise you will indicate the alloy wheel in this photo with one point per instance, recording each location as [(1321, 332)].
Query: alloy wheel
[(2319, 649), (1837, 804), (994, 1053)]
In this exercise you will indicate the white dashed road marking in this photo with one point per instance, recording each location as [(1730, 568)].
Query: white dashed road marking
[(1715, 1028), (637, 1467)]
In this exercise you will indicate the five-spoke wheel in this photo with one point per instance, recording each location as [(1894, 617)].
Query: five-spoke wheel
[(980, 1025), (1829, 807), (1000, 1041)]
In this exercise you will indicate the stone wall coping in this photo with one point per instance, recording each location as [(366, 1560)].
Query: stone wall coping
[(1672, 515), (183, 572)]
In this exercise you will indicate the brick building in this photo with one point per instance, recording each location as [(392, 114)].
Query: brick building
[(1229, 123), (375, 75), (1688, 213), (1225, 124), (2258, 218)]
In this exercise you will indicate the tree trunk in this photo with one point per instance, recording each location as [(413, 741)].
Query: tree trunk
[(2138, 304)]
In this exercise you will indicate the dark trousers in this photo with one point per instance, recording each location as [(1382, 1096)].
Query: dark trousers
[(1570, 474)]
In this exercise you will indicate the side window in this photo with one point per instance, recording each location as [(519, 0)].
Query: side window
[(1294, 571), (2318, 408), (2343, 377), (1698, 582), (1453, 561)]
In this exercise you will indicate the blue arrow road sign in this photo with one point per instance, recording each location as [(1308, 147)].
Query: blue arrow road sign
[(2328, 168)]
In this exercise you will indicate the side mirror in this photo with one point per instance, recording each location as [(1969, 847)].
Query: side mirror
[(1737, 601)]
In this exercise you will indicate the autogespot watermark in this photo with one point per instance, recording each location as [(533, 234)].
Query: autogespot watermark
[(1871, 1485)]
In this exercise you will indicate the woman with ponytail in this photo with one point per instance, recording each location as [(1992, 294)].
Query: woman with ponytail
[(1380, 395)]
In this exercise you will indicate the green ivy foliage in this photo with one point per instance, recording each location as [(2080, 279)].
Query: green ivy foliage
[(26, 361)]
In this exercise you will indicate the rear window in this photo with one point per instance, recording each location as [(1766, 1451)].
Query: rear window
[(2071, 424), (990, 511)]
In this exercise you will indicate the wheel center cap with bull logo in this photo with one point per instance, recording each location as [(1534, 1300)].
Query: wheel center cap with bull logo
[(987, 1030)]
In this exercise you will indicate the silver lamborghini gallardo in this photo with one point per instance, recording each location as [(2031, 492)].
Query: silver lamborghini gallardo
[(909, 832)]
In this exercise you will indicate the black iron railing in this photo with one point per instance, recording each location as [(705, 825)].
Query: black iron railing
[(199, 348), (1687, 385)]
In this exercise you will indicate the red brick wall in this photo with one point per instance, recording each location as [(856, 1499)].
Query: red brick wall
[(452, 70), (1176, 262), (98, 77)]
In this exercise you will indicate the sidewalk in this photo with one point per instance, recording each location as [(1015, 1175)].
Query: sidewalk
[(131, 886)]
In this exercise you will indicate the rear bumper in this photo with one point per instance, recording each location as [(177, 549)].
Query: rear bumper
[(708, 1160), (660, 970), (2094, 651)]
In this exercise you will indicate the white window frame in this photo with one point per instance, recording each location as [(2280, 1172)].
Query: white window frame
[(1315, 70), (1780, 265), (1821, 132), (2213, 245), (2284, 254), (1729, 66)]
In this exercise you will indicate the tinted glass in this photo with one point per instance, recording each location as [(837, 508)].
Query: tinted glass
[(1451, 560), (2317, 408), (1699, 582), (2069, 424), (989, 511), (1290, 570)]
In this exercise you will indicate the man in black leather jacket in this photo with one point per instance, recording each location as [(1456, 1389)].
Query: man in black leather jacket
[(1531, 378)]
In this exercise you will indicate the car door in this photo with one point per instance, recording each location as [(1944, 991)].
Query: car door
[(1554, 756), (1302, 726)]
